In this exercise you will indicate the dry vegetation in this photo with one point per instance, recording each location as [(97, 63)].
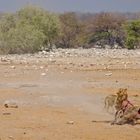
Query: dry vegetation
[(32, 29)]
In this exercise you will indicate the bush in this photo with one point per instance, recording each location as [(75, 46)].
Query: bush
[(28, 30), (106, 29), (69, 35), (132, 34), (25, 39), (131, 42)]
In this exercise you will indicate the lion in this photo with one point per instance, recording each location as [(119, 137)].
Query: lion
[(130, 116), (115, 101), (126, 112), (121, 96), (109, 102)]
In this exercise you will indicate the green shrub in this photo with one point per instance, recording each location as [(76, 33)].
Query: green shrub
[(28, 30), (133, 34), (25, 39)]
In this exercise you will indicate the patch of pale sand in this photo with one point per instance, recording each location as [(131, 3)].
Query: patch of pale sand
[(70, 95), (51, 123), (8, 93)]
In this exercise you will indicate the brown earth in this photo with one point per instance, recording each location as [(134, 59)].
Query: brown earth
[(63, 99)]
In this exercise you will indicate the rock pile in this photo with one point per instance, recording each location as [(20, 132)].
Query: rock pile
[(81, 58)]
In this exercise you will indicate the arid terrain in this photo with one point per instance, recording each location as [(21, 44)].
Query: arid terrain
[(60, 95)]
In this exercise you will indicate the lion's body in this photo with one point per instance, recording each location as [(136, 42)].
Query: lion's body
[(110, 102), (115, 101), (126, 112), (130, 116), (121, 96)]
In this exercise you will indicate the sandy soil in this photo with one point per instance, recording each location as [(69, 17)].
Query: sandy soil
[(63, 99)]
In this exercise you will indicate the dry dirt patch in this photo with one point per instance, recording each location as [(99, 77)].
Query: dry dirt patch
[(71, 90)]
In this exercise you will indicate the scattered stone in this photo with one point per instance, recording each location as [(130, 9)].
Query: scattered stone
[(3, 59), (37, 61), (11, 137), (6, 113), (63, 53), (108, 74), (10, 104), (136, 95), (92, 64), (13, 67), (41, 67), (43, 74), (70, 122), (93, 121), (125, 66)]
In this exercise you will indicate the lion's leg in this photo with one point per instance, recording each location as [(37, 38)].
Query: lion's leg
[(118, 117), (106, 106), (114, 121)]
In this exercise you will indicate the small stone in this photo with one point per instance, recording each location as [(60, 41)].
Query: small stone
[(11, 137), (13, 67), (92, 64), (6, 113), (41, 67), (125, 66), (10, 104), (70, 122), (136, 95), (108, 74), (93, 121), (43, 74)]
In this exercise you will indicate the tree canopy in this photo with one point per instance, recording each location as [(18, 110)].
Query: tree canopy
[(132, 29), (32, 29), (28, 30)]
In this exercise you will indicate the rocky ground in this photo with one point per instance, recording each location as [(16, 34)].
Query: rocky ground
[(59, 95)]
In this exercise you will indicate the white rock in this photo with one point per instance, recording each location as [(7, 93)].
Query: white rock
[(43, 74), (125, 66), (13, 67), (70, 122), (11, 137), (41, 67), (108, 74), (10, 104)]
